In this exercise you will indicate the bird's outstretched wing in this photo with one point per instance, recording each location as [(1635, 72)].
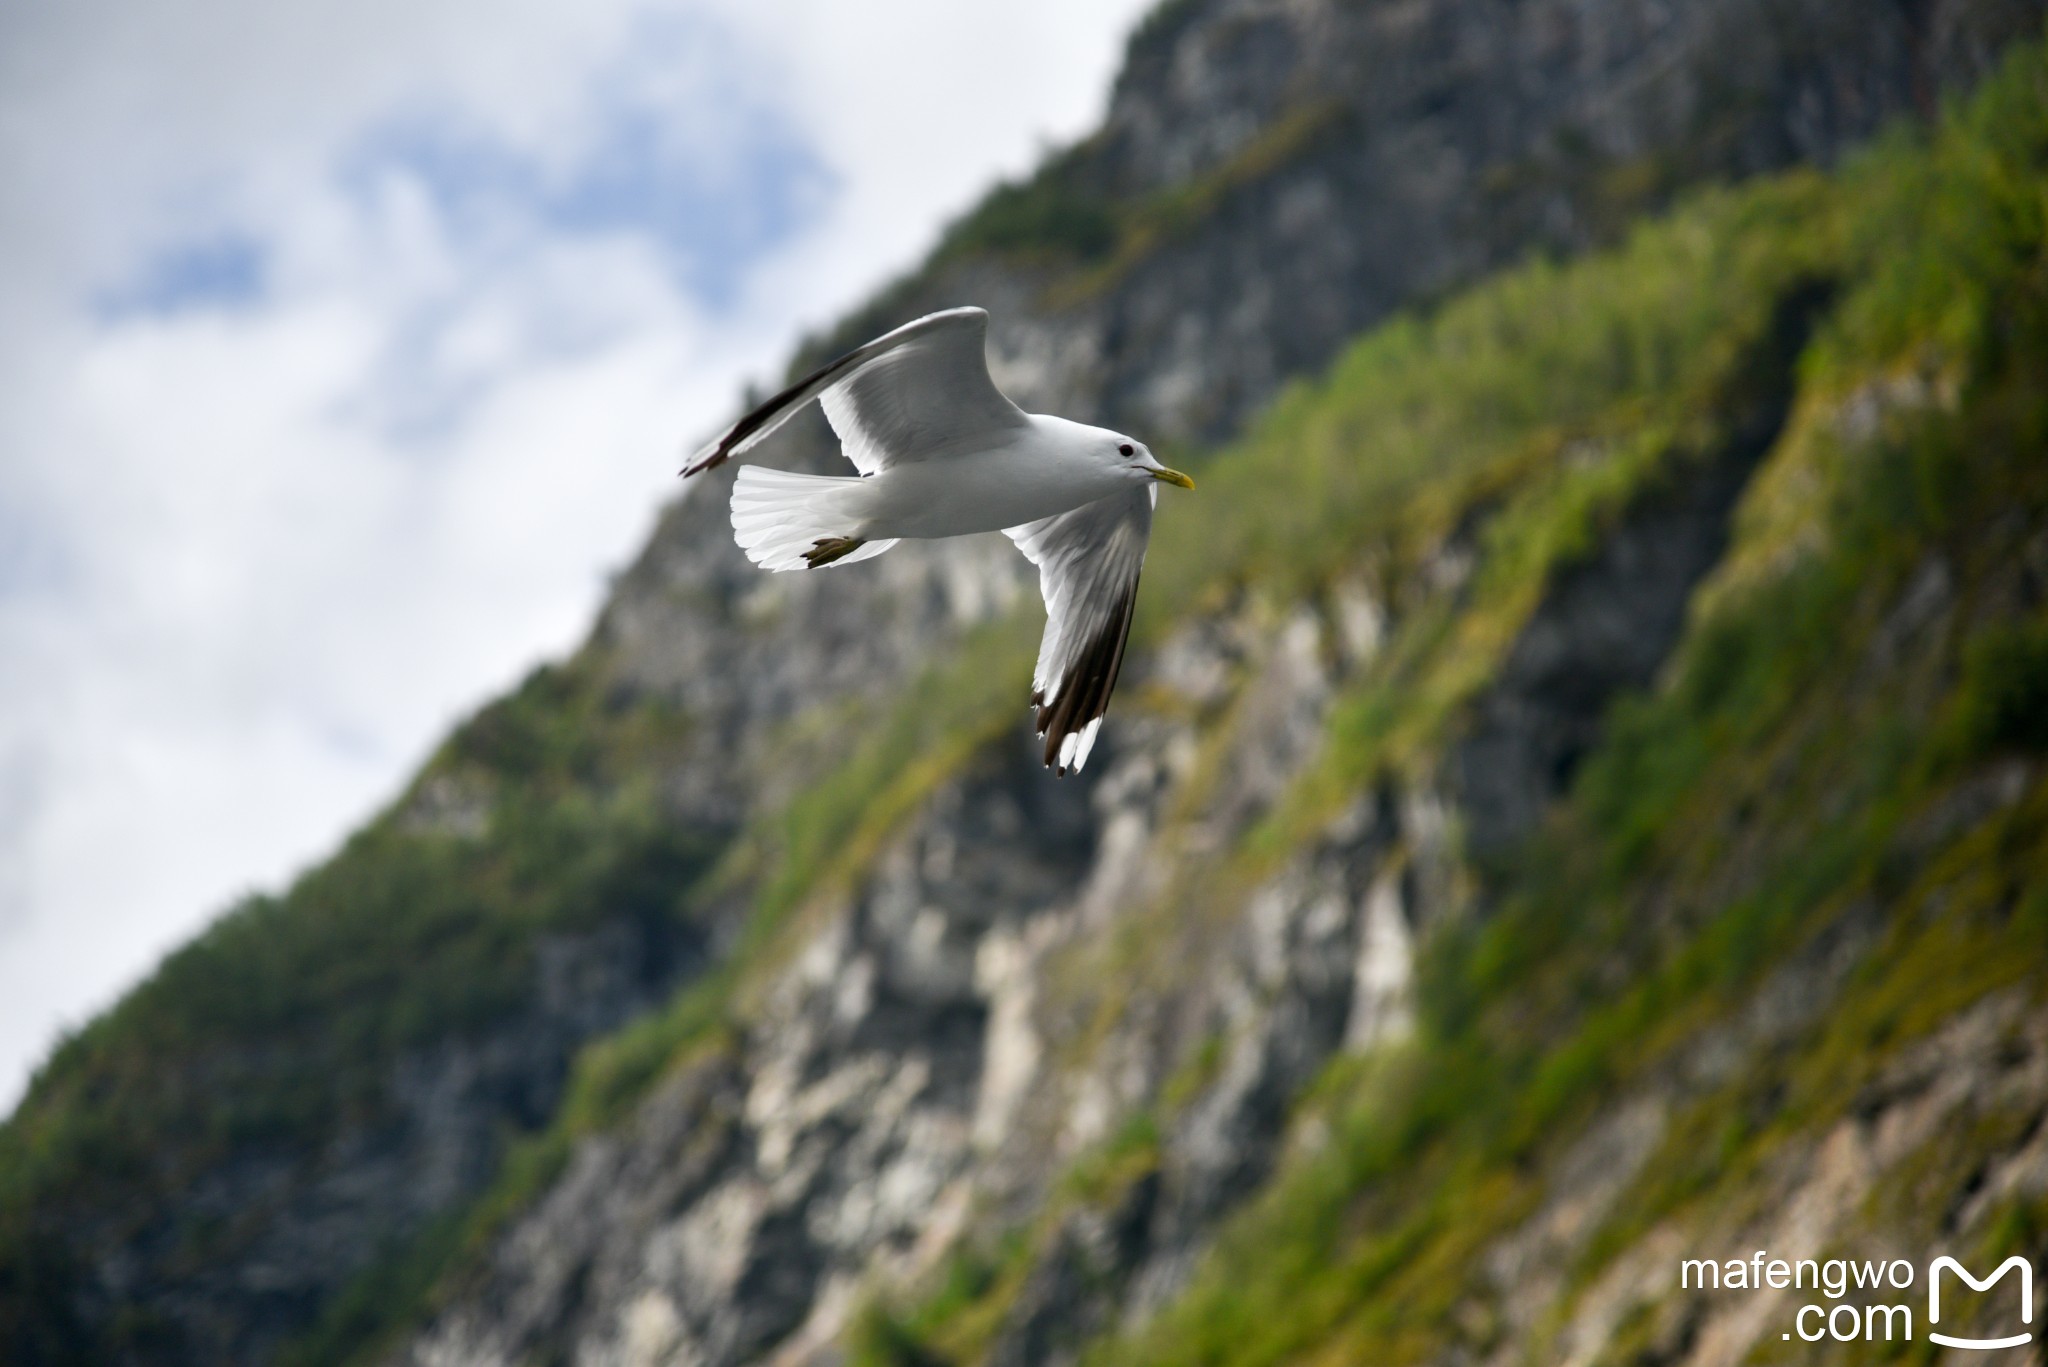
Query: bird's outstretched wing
[(1088, 562), (920, 391)]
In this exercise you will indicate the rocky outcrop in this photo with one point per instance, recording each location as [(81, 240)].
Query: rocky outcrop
[(754, 1193), (1323, 164), (264, 1238)]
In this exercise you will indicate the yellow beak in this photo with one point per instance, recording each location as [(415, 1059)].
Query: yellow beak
[(1173, 477)]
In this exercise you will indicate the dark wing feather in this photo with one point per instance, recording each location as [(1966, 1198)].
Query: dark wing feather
[(1088, 565)]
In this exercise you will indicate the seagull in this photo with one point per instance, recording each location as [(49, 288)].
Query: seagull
[(942, 452)]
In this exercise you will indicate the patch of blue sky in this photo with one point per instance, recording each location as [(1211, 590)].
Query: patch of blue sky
[(670, 144), (711, 221), (35, 560), (713, 179), (350, 742), (223, 269)]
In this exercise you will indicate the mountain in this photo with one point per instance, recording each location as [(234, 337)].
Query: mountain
[(1575, 802)]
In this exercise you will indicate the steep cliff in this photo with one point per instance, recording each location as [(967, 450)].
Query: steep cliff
[(1575, 797)]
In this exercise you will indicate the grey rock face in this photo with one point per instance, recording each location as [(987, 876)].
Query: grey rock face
[(754, 1193), (1361, 157), (892, 1088), (903, 1082), (291, 1228)]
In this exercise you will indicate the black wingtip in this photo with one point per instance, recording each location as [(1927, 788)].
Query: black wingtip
[(710, 462)]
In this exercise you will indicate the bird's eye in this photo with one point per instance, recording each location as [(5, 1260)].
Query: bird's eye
[(1126, 450)]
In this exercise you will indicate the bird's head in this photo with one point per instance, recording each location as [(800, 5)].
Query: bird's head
[(1137, 458)]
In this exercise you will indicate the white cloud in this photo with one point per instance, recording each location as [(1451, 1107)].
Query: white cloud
[(348, 345)]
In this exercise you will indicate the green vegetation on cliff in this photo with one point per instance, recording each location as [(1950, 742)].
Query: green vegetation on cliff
[(1794, 779)]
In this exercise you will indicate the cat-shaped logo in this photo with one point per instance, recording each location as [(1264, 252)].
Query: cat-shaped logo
[(2014, 1263)]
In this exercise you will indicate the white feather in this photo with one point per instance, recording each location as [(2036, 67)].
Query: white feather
[(913, 394), (777, 516)]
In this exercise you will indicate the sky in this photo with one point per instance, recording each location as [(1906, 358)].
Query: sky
[(347, 348)]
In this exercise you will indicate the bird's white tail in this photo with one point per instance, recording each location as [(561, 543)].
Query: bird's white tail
[(779, 518)]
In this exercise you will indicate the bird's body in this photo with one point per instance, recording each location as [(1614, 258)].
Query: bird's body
[(1036, 471), (941, 452)]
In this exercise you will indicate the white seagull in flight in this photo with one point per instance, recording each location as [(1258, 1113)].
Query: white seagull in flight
[(942, 452)]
